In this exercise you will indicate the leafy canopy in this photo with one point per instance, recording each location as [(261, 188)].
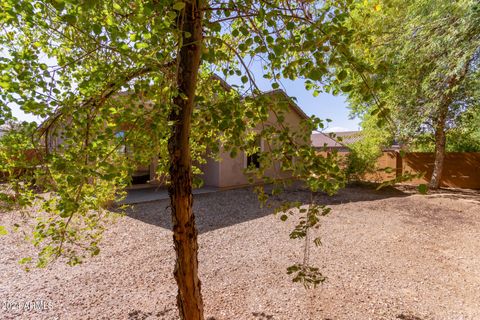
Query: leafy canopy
[(103, 74), (419, 63)]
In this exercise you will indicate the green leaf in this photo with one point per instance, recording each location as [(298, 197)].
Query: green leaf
[(95, 251), (315, 75), (110, 20), (244, 79), (3, 231), (178, 6), (422, 188), (58, 4), (5, 85), (342, 75), (97, 29), (141, 45), (70, 18), (25, 260), (217, 27)]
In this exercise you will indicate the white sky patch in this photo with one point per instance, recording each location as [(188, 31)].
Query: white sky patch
[(22, 116), (337, 129)]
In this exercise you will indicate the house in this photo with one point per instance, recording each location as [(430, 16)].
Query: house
[(340, 141), (227, 172), (348, 137), (326, 142)]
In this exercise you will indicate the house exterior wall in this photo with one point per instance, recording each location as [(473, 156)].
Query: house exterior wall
[(231, 170), (226, 173), (211, 173)]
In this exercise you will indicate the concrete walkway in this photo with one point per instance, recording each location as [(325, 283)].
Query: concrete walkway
[(149, 194)]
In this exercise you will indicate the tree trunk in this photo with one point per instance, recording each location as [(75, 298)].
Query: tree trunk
[(440, 141), (440, 134), (189, 298)]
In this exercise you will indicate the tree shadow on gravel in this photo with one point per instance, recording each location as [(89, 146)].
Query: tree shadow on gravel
[(408, 317), (141, 315), (471, 195), (226, 208), (262, 316)]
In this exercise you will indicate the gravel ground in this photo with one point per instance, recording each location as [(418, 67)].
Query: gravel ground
[(387, 254)]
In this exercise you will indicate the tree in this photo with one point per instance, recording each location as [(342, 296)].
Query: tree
[(363, 155), (419, 66), (463, 135), (147, 68)]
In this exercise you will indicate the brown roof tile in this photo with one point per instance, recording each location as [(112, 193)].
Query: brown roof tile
[(320, 140)]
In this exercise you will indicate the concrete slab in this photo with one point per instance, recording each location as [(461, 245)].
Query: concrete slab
[(135, 196)]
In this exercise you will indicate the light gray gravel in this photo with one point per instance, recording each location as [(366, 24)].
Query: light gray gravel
[(387, 255)]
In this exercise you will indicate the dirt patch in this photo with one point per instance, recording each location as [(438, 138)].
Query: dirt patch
[(387, 255)]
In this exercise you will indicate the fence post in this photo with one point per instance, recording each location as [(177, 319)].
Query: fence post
[(399, 164)]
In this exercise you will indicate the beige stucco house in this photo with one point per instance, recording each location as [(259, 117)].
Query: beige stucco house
[(226, 172)]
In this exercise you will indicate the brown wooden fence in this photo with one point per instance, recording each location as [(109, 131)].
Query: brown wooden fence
[(460, 170)]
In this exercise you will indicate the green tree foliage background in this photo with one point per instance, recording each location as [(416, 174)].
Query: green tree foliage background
[(418, 72)]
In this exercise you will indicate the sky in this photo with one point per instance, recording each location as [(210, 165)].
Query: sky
[(324, 106), (22, 116)]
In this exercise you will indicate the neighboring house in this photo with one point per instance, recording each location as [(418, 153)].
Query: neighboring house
[(326, 142), (348, 137), (340, 141), (228, 172)]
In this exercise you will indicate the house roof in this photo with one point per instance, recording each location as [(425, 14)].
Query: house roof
[(320, 140), (335, 139), (276, 92), (292, 103), (347, 137)]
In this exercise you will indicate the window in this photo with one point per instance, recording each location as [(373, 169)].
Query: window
[(122, 148), (253, 160)]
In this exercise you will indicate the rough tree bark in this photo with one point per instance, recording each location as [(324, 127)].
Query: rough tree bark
[(189, 298), (440, 141)]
